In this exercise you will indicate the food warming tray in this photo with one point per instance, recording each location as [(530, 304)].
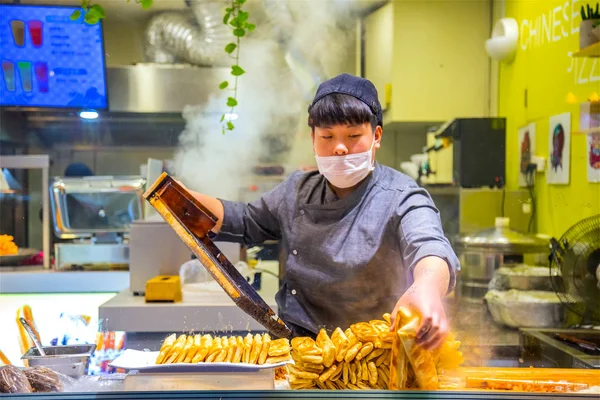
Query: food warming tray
[(192, 222), (72, 360), (145, 362)]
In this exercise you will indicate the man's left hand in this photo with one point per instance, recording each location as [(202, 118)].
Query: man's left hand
[(425, 296)]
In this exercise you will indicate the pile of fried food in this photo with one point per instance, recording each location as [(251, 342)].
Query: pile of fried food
[(8, 246), (257, 349), (415, 367), (357, 358), (368, 356), (365, 356), (30, 380)]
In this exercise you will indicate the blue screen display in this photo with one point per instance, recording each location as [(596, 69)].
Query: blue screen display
[(48, 60)]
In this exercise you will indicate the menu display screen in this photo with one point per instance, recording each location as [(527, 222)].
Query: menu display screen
[(49, 60)]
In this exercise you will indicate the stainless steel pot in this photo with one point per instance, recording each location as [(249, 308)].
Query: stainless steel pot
[(482, 253)]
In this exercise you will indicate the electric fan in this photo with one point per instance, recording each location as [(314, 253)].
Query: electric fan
[(577, 255)]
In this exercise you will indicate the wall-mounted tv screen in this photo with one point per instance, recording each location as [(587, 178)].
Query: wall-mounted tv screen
[(49, 60)]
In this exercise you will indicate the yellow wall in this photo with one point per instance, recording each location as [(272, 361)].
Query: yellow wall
[(544, 68), (379, 28), (440, 68), (432, 53)]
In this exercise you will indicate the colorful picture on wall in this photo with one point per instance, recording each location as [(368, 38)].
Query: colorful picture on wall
[(593, 153), (526, 151), (559, 145)]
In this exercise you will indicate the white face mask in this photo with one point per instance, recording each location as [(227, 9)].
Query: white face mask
[(346, 171)]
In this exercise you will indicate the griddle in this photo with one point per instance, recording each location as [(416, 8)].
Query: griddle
[(192, 222)]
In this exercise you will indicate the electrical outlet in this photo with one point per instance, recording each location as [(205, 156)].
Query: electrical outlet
[(540, 163)]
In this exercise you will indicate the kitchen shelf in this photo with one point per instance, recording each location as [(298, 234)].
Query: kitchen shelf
[(590, 51), (21, 280)]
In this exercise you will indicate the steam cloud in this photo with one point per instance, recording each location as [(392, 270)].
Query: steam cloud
[(273, 97)]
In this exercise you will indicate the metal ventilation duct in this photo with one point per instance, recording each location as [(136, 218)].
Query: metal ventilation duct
[(197, 38)]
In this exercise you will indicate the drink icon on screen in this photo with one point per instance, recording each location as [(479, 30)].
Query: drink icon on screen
[(8, 73), (41, 74), (25, 74), (18, 32), (35, 31)]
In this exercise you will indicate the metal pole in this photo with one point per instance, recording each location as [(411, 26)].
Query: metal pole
[(46, 217)]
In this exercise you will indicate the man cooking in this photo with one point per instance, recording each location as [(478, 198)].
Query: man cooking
[(361, 239)]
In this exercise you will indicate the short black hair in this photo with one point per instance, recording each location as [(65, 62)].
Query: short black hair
[(340, 109)]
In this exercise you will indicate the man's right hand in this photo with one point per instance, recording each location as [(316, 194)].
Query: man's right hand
[(214, 205)]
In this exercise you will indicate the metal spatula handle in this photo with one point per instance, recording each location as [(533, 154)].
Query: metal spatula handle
[(37, 343)]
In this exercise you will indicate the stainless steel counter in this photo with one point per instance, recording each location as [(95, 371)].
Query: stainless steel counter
[(39, 280), (208, 311), (483, 342), (116, 391), (147, 324)]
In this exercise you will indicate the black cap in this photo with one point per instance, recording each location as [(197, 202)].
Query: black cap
[(354, 86)]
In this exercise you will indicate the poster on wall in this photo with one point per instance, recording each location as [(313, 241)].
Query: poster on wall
[(526, 151), (559, 145), (593, 155)]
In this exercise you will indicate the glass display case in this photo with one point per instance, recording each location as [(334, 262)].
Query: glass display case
[(92, 217), (13, 199), (236, 394), (514, 181)]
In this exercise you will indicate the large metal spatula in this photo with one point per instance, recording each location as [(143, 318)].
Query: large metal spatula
[(192, 222)]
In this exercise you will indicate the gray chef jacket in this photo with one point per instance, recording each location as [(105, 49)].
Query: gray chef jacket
[(349, 259)]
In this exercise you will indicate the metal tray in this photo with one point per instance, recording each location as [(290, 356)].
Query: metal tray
[(72, 361), (515, 312), (145, 362), (15, 259), (524, 277)]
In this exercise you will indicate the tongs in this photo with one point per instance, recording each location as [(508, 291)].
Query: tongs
[(192, 222), (583, 344)]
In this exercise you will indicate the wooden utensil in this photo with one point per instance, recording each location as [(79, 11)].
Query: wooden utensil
[(192, 222)]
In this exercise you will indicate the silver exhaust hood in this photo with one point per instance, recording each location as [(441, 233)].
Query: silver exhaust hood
[(160, 88)]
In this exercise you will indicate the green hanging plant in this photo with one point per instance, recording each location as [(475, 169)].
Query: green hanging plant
[(236, 19), (93, 13)]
